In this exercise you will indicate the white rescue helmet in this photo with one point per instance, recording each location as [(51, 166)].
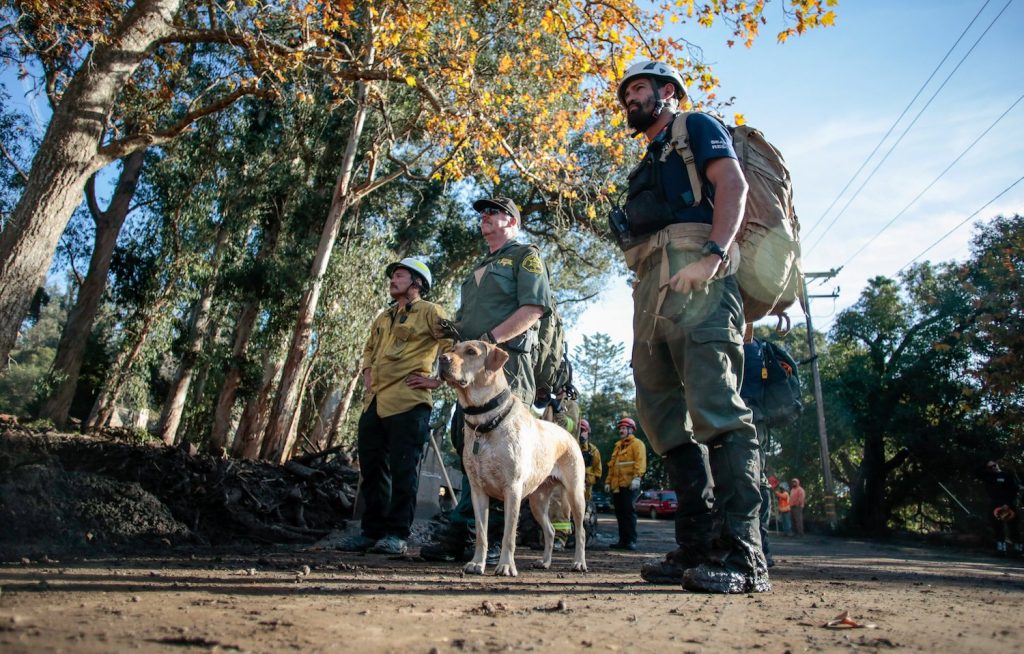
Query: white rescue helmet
[(415, 266), (663, 73)]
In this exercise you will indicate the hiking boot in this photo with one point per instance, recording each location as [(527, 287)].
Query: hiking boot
[(493, 553), (670, 568), (449, 546), (716, 578), (445, 552), (356, 543), (623, 546), (389, 545)]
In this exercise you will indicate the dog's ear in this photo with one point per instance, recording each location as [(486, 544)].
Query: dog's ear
[(496, 358)]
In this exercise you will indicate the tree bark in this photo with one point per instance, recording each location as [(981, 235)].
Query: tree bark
[(247, 441), (170, 418), (276, 445), (67, 157), (343, 408), (67, 363)]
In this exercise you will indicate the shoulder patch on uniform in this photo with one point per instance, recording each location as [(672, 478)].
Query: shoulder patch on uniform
[(532, 264)]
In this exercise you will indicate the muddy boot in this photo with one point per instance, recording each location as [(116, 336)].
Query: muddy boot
[(451, 544), (738, 564), (738, 567)]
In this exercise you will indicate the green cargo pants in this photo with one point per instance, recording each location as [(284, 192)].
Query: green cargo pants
[(688, 359)]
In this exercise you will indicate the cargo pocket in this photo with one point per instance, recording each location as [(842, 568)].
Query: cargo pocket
[(717, 352)]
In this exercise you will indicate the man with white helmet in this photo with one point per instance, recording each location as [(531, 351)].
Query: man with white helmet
[(405, 340), (688, 333)]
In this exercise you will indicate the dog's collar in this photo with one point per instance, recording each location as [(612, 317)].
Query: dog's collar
[(493, 403), (490, 405)]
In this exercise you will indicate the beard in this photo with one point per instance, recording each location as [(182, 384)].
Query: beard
[(643, 116)]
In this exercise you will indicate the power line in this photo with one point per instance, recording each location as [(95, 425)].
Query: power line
[(908, 128), (896, 122), (932, 183), (961, 224)]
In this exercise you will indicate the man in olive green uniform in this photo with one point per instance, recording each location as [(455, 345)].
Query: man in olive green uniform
[(398, 359), (502, 300), (687, 330)]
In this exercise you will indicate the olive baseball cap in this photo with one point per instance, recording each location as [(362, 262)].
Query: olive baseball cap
[(500, 203)]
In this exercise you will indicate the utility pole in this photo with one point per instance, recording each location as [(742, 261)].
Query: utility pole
[(826, 465)]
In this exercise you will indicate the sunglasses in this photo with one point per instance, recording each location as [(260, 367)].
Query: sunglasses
[(491, 211)]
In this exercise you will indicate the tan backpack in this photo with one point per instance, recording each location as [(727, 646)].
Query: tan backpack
[(770, 275)]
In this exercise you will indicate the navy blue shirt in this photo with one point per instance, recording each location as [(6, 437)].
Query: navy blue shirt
[(709, 140)]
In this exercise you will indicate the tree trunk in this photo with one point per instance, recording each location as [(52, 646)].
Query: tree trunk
[(170, 419), (67, 363), (243, 333), (325, 417), (276, 445), (868, 499), (343, 407), (247, 441), (67, 157)]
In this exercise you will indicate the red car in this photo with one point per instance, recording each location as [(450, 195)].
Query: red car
[(657, 504)]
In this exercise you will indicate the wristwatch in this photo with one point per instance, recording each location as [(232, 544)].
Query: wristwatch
[(710, 247), (489, 337)]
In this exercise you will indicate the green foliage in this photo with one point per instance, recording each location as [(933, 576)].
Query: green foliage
[(23, 382), (922, 384)]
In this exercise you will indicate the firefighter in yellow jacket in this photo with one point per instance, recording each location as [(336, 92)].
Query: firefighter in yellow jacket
[(591, 458), (627, 465)]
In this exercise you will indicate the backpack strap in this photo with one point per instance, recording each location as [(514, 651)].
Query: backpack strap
[(680, 140)]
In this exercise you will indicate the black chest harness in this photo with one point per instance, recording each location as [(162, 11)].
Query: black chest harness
[(503, 397)]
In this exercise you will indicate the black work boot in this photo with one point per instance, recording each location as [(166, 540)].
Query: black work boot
[(739, 567), (689, 476), (451, 544), (738, 564)]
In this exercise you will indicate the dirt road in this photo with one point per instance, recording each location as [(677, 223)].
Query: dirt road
[(267, 601)]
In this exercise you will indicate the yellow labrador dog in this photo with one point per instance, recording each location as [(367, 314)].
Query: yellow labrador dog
[(509, 454)]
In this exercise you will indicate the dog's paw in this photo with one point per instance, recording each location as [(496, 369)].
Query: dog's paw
[(506, 570), (473, 568), (579, 567), (542, 564)]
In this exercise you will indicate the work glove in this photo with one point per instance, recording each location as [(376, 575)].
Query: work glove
[(607, 488), (635, 484)]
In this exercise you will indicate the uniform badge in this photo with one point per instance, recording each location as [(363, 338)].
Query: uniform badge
[(532, 264), (504, 262)]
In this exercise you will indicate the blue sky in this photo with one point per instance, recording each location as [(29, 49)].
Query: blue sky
[(826, 99)]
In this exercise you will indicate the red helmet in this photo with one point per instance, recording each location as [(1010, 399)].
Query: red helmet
[(626, 422), (584, 425)]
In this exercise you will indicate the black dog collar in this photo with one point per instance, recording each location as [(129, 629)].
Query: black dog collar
[(490, 405), (496, 401)]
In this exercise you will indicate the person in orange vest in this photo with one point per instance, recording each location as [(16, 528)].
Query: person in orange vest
[(627, 465), (782, 494), (797, 499)]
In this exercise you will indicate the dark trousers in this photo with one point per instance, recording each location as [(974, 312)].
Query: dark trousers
[(1009, 530), (390, 450), (623, 500)]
